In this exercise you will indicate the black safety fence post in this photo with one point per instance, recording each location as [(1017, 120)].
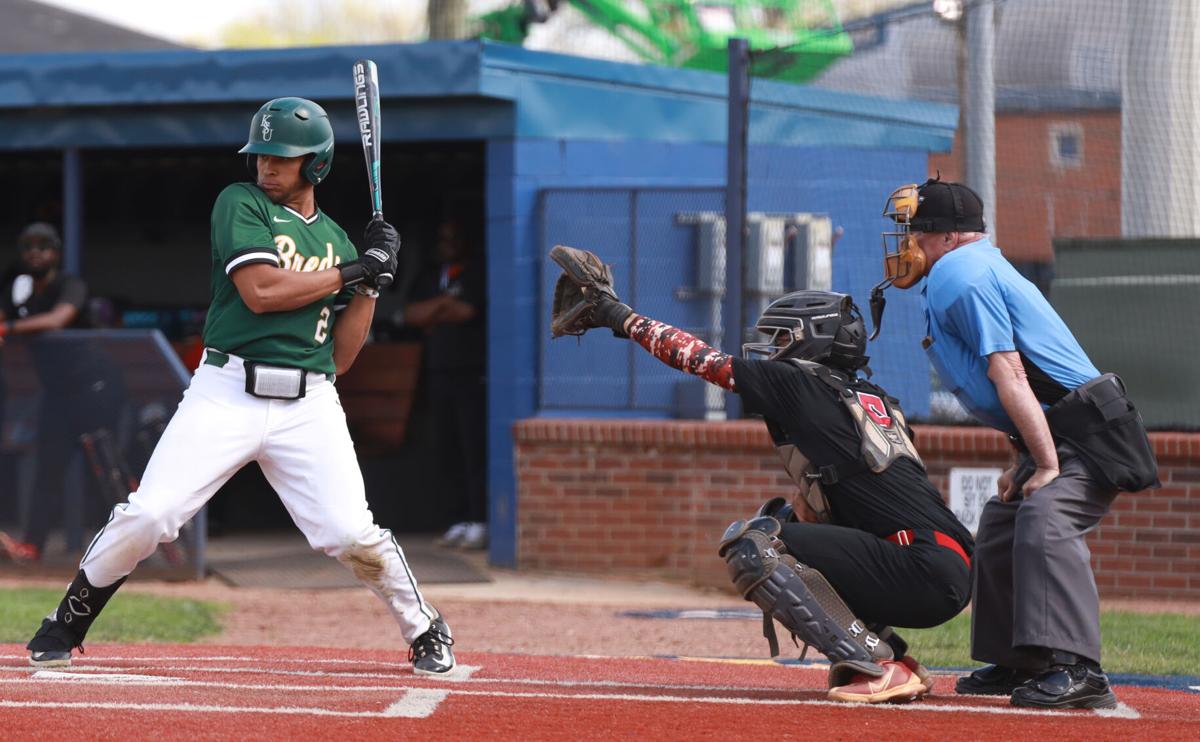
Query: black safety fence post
[(735, 204)]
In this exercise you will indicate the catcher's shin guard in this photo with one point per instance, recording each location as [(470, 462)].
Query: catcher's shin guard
[(800, 598)]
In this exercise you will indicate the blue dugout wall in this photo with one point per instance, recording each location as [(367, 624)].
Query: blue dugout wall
[(542, 192)]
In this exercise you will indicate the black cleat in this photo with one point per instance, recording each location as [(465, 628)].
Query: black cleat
[(992, 680), (1067, 686), (430, 653), (50, 646)]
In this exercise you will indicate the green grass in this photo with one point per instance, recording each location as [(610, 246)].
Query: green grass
[(1151, 643), (131, 617)]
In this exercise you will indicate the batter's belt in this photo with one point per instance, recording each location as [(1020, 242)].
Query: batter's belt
[(305, 379)]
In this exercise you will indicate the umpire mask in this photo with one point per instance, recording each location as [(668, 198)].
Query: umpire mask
[(933, 206)]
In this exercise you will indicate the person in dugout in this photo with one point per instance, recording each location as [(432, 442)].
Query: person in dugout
[(868, 543), (83, 391)]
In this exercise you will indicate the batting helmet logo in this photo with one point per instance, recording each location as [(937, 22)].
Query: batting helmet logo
[(876, 409), (266, 127)]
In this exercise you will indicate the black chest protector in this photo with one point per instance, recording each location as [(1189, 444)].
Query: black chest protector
[(881, 428)]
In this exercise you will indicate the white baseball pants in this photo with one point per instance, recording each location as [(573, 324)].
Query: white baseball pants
[(305, 451)]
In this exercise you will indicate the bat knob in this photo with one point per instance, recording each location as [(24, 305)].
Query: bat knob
[(383, 281)]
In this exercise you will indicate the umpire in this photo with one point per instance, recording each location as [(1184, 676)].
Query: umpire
[(1012, 362)]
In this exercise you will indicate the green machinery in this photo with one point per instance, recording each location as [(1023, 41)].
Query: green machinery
[(789, 40)]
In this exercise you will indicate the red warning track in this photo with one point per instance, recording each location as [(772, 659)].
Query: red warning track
[(176, 693)]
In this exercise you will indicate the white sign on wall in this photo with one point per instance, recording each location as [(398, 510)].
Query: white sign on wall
[(969, 489)]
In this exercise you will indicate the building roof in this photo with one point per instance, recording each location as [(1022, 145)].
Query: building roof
[(432, 90), (1061, 55), (27, 26)]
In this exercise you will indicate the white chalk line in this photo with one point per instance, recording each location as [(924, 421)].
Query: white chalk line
[(219, 658), (460, 674), (1122, 711), (422, 702), (190, 707), (408, 677), (417, 703), (393, 710)]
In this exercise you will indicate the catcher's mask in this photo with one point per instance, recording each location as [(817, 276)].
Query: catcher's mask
[(819, 326), (933, 206)]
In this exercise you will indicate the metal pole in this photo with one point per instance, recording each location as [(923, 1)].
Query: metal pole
[(72, 176), (735, 203), (980, 104)]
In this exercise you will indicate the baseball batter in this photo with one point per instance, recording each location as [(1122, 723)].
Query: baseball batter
[(292, 302)]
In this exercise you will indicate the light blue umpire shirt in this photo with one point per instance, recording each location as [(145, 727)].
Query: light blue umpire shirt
[(977, 304)]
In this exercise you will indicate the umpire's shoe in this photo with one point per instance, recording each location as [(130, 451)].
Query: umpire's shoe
[(992, 680), (51, 645), (1077, 686), (431, 653)]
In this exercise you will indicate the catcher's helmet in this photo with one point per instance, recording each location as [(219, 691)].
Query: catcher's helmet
[(293, 127), (819, 326)]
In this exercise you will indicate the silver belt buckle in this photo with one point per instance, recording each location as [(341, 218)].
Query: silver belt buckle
[(274, 382)]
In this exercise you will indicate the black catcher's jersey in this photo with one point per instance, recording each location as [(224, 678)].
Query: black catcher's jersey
[(819, 424)]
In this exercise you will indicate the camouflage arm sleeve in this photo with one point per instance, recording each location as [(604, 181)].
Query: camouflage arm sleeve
[(685, 352)]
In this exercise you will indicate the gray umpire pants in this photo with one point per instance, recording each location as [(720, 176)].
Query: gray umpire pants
[(1033, 583)]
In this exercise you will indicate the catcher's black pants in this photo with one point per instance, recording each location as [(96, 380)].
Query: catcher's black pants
[(916, 586)]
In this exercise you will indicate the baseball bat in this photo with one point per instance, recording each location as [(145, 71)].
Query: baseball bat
[(366, 106)]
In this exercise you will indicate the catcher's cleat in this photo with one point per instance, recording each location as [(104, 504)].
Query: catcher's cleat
[(898, 684), (431, 653), (916, 668)]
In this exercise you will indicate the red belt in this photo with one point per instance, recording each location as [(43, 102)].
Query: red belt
[(905, 538)]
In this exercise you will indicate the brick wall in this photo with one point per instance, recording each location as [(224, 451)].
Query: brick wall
[(640, 496), (1037, 200)]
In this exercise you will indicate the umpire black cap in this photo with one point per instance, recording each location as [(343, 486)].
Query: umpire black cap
[(947, 207)]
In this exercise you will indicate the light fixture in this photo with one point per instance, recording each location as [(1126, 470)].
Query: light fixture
[(948, 10)]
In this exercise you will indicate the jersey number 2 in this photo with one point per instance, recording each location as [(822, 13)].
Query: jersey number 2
[(322, 326)]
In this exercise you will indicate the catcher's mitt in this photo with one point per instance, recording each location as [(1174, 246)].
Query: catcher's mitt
[(584, 297)]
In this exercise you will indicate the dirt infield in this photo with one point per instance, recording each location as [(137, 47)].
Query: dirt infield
[(176, 693)]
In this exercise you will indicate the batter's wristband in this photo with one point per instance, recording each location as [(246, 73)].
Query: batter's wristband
[(353, 273)]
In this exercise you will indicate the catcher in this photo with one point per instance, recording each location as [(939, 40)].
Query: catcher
[(868, 542)]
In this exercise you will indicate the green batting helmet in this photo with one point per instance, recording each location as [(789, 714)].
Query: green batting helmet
[(293, 127)]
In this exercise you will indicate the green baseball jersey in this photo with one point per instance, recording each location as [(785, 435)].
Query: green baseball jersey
[(248, 228)]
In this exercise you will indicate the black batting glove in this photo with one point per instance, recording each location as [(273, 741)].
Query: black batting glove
[(367, 269), (383, 237), (378, 259)]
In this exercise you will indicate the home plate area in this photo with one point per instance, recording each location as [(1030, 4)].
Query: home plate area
[(176, 692)]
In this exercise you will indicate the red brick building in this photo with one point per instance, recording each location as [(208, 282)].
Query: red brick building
[(1058, 174)]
